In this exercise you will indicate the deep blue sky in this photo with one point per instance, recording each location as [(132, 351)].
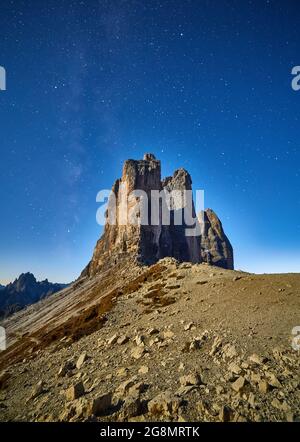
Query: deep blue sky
[(203, 84)]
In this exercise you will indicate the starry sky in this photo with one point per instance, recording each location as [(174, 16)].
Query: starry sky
[(203, 84)]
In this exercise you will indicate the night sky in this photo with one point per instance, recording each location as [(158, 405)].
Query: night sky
[(203, 84)]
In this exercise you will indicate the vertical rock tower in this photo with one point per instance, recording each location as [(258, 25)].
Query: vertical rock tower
[(146, 243)]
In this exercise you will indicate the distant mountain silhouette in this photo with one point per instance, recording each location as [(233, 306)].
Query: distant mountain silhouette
[(25, 290)]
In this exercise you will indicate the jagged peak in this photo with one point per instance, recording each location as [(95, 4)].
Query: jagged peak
[(150, 242), (149, 157)]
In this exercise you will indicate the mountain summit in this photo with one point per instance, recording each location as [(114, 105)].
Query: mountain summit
[(145, 335), (151, 241), (25, 290)]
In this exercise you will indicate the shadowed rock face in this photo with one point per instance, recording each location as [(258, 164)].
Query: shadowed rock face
[(215, 246), (146, 244)]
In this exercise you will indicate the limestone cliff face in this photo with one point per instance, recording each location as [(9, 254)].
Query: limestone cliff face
[(25, 290), (125, 239), (215, 246), (147, 242), (181, 246)]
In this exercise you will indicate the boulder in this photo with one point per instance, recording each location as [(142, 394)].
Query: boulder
[(164, 404), (238, 384), (65, 368), (263, 386), (123, 388), (75, 391), (122, 340), (100, 405), (225, 414), (131, 407), (137, 352)]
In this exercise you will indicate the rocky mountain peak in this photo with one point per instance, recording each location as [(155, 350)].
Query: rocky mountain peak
[(215, 246), (25, 290), (147, 243), (24, 281), (149, 157)]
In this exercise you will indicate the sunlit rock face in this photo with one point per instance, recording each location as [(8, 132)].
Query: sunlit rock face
[(133, 234)]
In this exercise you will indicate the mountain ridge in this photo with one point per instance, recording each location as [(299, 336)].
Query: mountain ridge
[(149, 242), (23, 291)]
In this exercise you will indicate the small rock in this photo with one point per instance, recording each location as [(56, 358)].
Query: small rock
[(75, 391), (4, 376), (229, 351), (236, 278), (143, 369), (122, 340), (137, 352), (37, 390), (202, 406), (189, 326), (256, 359), (81, 408), (81, 360), (122, 371), (251, 400), (140, 340), (168, 334), (195, 344), (190, 379), (183, 390), (225, 414), (219, 389), (65, 368), (216, 346), (137, 388), (290, 417), (263, 386), (181, 366), (239, 418), (165, 404), (131, 407), (234, 368), (238, 384), (123, 388), (111, 341), (276, 404), (273, 381), (154, 341), (255, 378)]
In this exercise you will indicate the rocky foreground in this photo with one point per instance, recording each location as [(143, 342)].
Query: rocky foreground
[(171, 342)]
